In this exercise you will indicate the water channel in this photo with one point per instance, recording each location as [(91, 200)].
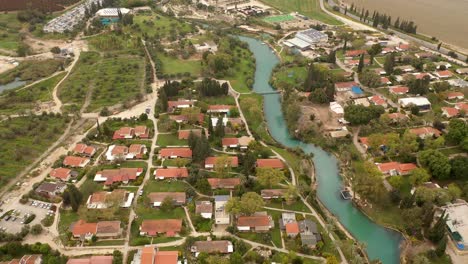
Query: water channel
[(12, 85), (381, 243)]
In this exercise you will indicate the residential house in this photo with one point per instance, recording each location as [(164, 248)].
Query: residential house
[(167, 227), (63, 174), (405, 68), (396, 168), (292, 229), (450, 112), (104, 229), (230, 142), (402, 47), (206, 46), (286, 218), (141, 132), (210, 162), (421, 102), (170, 173), (455, 96), (102, 200), (380, 71), (425, 132), (50, 189), (385, 81), (353, 63), (185, 118), (355, 53), (423, 75), (157, 198), (378, 100), (222, 217), (444, 74), (259, 222), (91, 260), (268, 194), (124, 133), (135, 151), (122, 175), (309, 233), (151, 255), (173, 105), (345, 86), (184, 134), (212, 247), (85, 150), (75, 162), (462, 107), (26, 259), (399, 90), (442, 64), (388, 50), (204, 208), (244, 142), (173, 153), (224, 183), (424, 55), (270, 163), (223, 109), (396, 117), (364, 142)]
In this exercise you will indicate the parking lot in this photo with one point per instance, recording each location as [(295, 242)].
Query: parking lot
[(13, 220)]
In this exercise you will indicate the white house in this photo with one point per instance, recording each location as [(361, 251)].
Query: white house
[(222, 217)]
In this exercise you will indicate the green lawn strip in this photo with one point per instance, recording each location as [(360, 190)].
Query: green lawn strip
[(18, 100), (67, 217), (252, 107), (218, 100), (298, 205), (23, 139), (165, 140), (165, 186), (244, 70), (279, 256), (109, 243), (310, 8), (179, 162), (451, 151), (276, 231), (9, 31)]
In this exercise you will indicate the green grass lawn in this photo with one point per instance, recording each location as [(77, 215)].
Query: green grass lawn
[(165, 140), (9, 31), (165, 186), (159, 25), (179, 162), (23, 139), (25, 99), (174, 66), (298, 206), (244, 71), (310, 8), (290, 76), (252, 107), (224, 100), (109, 243)]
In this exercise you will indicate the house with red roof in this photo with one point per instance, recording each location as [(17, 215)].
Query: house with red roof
[(462, 107), (173, 153), (292, 229), (444, 74), (219, 108), (387, 50), (356, 62), (124, 133), (385, 81), (231, 142), (62, 174), (122, 175), (91, 260), (364, 142), (270, 163), (26, 259), (402, 47), (184, 134), (105, 229), (135, 151), (423, 55), (224, 183), (204, 209), (399, 90), (344, 86), (378, 100), (395, 117), (268, 194), (141, 132), (185, 118), (75, 162), (157, 198), (210, 162), (455, 96), (396, 168), (85, 150), (450, 112), (355, 53), (102, 200), (173, 105), (152, 255), (167, 227), (425, 132), (170, 173), (259, 222)]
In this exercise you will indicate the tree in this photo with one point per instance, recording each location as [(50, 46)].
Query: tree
[(331, 58), (389, 63), (167, 204), (269, 176), (359, 114), (419, 86), (236, 258), (346, 36), (291, 194), (441, 246), (219, 130), (374, 51), (117, 257), (419, 176), (248, 204), (361, 64), (72, 197), (454, 191), (55, 50), (421, 259), (223, 166), (437, 163), (332, 260), (459, 166), (457, 131), (437, 232), (36, 229), (369, 78)]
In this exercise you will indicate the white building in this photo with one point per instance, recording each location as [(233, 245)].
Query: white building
[(222, 217), (421, 102), (304, 39), (112, 12), (457, 223)]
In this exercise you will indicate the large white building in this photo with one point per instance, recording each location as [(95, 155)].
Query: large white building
[(421, 102), (112, 12), (304, 39), (457, 223)]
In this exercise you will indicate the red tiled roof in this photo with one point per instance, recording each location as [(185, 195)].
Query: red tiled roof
[(160, 226), (406, 167), (179, 197), (147, 255), (401, 168), (119, 150), (219, 183), (212, 161), (292, 228), (92, 260), (396, 116), (270, 163), (462, 106), (81, 228), (120, 175), (136, 148), (364, 141), (84, 149), (141, 130), (453, 95), (425, 131), (404, 46), (354, 53), (166, 257), (124, 132), (184, 134), (450, 111), (384, 80), (74, 161), (445, 73), (173, 104), (171, 173), (106, 227), (399, 90), (253, 221), (388, 166), (378, 100), (60, 173), (422, 75), (345, 84), (201, 118), (179, 152), (267, 193), (220, 107), (230, 141)]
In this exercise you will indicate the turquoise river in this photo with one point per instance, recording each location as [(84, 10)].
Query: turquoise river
[(381, 243)]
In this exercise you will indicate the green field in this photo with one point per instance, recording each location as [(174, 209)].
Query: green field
[(9, 31), (108, 80), (252, 107), (24, 139), (310, 8), (173, 66), (289, 76), (159, 26), (279, 18), (25, 99), (165, 140), (243, 71), (32, 70)]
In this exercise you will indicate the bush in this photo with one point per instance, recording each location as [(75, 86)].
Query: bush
[(47, 221), (36, 229), (29, 219)]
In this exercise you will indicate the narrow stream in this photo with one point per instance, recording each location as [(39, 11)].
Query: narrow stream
[(381, 243)]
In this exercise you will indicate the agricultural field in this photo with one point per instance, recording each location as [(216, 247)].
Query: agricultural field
[(310, 8), (46, 5), (24, 139), (244, 70), (159, 26), (33, 70), (175, 66), (24, 99), (9, 31)]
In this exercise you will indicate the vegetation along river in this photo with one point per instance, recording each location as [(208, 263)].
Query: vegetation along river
[(381, 243), (446, 20)]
